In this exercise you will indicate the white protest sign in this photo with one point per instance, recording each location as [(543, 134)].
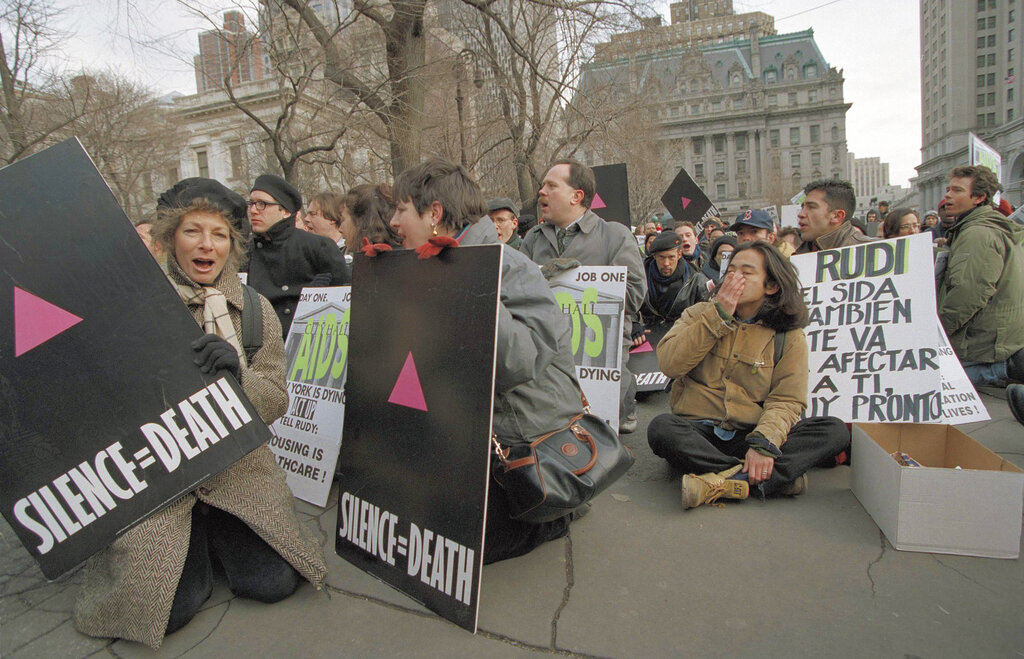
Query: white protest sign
[(309, 435), (789, 215), (960, 400), (593, 298), (872, 332), (980, 153)]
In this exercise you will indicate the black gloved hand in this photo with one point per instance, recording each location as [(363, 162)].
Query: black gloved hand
[(216, 354), (320, 280), (559, 265), (637, 331)]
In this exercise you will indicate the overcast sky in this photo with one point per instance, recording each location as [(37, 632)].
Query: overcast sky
[(874, 42)]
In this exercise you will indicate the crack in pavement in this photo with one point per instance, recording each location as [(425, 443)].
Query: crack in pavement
[(570, 581), (375, 600), (881, 553), (227, 607), (974, 581), (106, 648), (536, 648)]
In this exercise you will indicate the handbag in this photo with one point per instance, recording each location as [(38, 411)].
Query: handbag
[(554, 475)]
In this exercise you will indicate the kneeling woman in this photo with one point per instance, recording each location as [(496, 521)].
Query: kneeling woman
[(153, 580), (535, 387)]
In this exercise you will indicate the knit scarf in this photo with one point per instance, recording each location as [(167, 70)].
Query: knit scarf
[(662, 289), (216, 319)]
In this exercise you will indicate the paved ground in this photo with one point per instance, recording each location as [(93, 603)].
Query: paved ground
[(807, 577)]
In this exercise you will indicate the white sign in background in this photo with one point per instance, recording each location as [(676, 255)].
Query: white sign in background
[(308, 437), (960, 400), (874, 347), (593, 299)]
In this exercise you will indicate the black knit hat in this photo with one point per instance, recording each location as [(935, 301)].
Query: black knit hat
[(281, 190), (185, 191), (665, 240)]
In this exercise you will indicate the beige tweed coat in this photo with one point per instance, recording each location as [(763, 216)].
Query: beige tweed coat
[(128, 588)]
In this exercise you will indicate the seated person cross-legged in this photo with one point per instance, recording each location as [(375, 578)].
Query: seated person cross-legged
[(740, 369)]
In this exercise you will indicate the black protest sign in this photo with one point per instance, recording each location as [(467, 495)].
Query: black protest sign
[(643, 361), (685, 201), (414, 460), (104, 417), (611, 199)]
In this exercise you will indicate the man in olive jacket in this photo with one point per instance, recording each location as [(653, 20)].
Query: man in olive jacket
[(981, 290)]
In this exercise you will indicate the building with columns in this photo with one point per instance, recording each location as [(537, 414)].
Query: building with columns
[(752, 116)]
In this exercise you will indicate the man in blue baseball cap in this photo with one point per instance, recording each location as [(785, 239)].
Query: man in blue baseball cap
[(754, 224)]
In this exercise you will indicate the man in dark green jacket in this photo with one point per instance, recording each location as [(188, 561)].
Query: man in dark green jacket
[(981, 290)]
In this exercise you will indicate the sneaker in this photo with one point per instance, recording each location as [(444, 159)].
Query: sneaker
[(1015, 399), (710, 487), (628, 424), (796, 488), (1015, 367)]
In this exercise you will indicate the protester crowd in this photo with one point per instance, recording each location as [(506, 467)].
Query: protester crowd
[(726, 295)]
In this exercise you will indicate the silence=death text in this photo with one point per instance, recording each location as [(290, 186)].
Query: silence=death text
[(440, 562), (82, 494)]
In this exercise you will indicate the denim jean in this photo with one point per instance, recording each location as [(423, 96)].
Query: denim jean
[(693, 447), (980, 373)]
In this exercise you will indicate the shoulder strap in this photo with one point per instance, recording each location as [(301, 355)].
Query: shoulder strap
[(780, 346), (252, 321)]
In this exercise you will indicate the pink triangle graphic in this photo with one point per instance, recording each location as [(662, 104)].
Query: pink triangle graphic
[(597, 203), (36, 321), (686, 202), (407, 391), (643, 347)]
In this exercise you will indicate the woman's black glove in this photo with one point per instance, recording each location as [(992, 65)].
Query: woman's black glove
[(216, 354)]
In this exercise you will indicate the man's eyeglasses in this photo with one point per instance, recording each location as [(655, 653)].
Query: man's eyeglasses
[(912, 225), (261, 205)]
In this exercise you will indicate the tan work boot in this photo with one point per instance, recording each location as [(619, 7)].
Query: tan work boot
[(710, 487), (797, 487)]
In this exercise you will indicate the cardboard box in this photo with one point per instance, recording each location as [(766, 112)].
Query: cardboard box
[(974, 511)]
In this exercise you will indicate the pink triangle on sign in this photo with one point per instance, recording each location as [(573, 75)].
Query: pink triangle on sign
[(643, 347), (686, 202), (407, 391), (597, 203), (36, 321)]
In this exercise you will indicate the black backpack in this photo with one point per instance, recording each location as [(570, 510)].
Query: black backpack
[(252, 322)]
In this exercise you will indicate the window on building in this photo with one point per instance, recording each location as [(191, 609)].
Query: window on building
[(980, 101), (741, 167), (981, 120), (990, 79), (773, 137), (794, 160), (815, 134), (991, 117), (716, 106), (981, 42), (815, 158), (991, 41), (203, 163), (719, 169), (811, 70), (698, 170), (981, 23), (698, 146), (792, 98), (991, 4), (835, 133), (720, 190), (1010, 35), (981, 61), (236, 160), (694, 109), (741, 189), (991, 22), (1010, 16), (981, 81), (1009, 114), (991, 100), (1009, 56), (1009, 94), (719, 143), (770, 75), (812, 95), (740, 140), (981, 5), (773, 99), (990, 59), (794, 135)]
